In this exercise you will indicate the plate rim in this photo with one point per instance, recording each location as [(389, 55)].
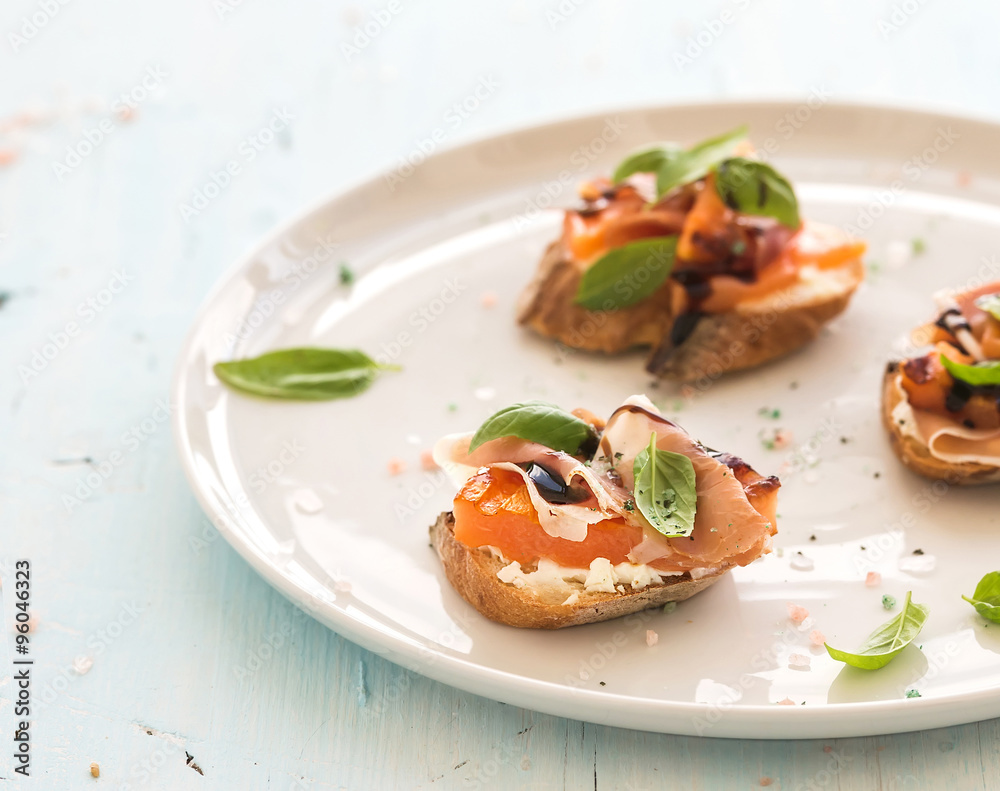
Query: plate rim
[(834, 720)]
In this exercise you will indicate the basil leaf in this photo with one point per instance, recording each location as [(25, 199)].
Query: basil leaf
[(536, 421), (307, 373), (990, 303), (697, 161), (646, 160), (980, 374), (756, 188), (986, 599), (627, 274), (885, 643), (665, 489)]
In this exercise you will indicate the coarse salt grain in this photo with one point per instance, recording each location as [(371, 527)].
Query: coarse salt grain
[(343, 586), (873, 579), (817, 638), (95, 770), (7, 155), (766, 781), (651, 637), (488, 299), (918, 564), (782, 438), (786, 702), (797, 613), (396, 466), (427, 460), (800, 562), (82, 665), (798, 660)]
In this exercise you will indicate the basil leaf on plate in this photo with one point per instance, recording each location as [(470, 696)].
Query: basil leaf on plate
[(753, 187), (627, 274), (885, 643), (978, 375), (990, 303), (307, 373), (697, 161), (646, 160), (536, 421), (665, 489), (986, 599)]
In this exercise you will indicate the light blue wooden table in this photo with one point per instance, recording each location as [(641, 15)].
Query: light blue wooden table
[(112, 115)]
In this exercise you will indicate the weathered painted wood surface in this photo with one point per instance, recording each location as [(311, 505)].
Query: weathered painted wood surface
[(113, 117)]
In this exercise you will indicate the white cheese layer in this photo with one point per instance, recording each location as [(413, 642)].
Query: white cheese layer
[(601, 577)]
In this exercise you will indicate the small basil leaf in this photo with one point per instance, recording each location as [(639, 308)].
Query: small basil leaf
[(536, 421), (697, 161), (627, 274), (980, 374), (752, 187), (986, 599), (307, 373), (646, 160), (885, 643), (665, 490), (990, 303)]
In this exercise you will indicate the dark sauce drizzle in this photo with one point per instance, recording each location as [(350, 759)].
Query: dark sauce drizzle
[(552, 487)]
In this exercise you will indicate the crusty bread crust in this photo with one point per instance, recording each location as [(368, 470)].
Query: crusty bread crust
[(915, 454), (473, 573), (546, 305), (760, 330), (754, 333)]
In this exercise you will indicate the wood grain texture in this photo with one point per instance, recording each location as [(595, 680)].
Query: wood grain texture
[(192, 653)]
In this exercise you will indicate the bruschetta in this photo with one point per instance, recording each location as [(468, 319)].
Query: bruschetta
[(942, 408), (698, 254), (562, 519)]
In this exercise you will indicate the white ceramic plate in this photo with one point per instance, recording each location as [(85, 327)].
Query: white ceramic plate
[(302, 490)]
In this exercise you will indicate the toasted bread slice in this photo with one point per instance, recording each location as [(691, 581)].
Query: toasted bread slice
[(759, 330), (547, 306), (473, 573), (915, 454), (755, 332)]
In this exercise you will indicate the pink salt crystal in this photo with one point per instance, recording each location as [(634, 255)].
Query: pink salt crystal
[(786, 702), (798, 660), (396, 466), (797, 613), (488, 299), (427, 460), (873, 579), (782, 438), (651, 637), (816, 637)]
